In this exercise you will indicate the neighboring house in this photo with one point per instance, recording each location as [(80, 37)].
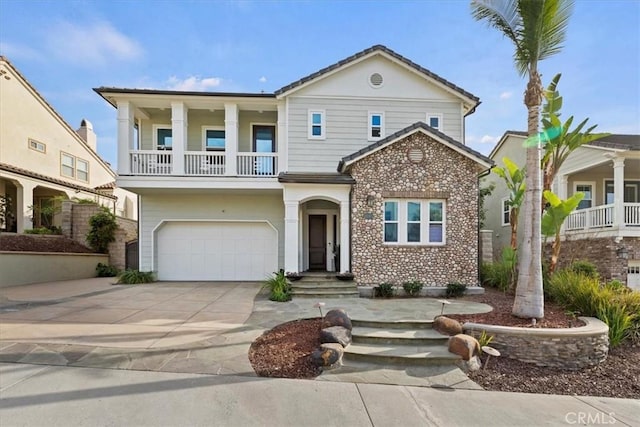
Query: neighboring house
[(42, 157), (605, 228), (358, 167)]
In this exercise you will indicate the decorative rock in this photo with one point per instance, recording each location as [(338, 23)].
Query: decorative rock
[(328, 355), (337, 317), (447, 326), (464, 346), (470, 365), (336, 334)]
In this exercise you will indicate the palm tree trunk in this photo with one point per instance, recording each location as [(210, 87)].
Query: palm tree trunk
[(529, 300), (514, 228), (555, 253)]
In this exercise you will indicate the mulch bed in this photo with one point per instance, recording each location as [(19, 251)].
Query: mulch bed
[(40, 243), (285, 352)]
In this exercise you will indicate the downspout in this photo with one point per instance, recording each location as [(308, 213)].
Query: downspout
[(350, 228), (482, 175)]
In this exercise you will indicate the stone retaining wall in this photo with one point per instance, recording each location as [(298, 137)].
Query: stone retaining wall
[(570, 348)]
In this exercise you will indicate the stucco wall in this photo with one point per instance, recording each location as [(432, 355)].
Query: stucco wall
[(443, 174), (18, 267)]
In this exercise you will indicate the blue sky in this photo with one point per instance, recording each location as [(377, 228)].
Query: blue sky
[(65, 48)]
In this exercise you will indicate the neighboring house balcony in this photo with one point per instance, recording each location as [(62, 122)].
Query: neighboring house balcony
[(611, 203)]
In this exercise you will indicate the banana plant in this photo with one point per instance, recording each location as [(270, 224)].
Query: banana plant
[(554, 216), (514, 178)]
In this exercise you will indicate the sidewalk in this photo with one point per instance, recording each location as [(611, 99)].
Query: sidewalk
[(61, 396)]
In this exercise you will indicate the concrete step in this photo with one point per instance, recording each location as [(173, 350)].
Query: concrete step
[(325, 285), (325, 294), (404, 355), (392, 324), (415, 337)]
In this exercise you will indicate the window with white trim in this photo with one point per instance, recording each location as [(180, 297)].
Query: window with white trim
[(37, 146), (68, 165), (587, 190), (163, 137), (214, 138), (82, 170), (317, 124), (376, 126), (435, 121), (506, 211), (414, 222)]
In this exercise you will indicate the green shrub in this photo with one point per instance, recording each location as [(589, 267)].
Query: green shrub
[(102, 232), (134, 277), (40, 230), (105, 270), (619, 320), (617, 286), (585, 268), (484, 339), (278, 286), (385, 290), (455, 290), (412, 287), (502, 274)]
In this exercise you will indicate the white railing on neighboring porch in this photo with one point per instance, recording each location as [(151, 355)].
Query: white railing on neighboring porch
[(602, 216), (147, 162), (204, 163), (258, 164)]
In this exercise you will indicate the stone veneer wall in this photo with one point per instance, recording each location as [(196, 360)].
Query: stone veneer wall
[(570, 348), (601, 252), (442, 174), (75, 224)]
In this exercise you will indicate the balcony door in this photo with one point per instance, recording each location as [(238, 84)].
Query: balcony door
[(264, 141)]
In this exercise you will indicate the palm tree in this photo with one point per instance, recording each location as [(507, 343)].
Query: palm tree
[(537, 29)]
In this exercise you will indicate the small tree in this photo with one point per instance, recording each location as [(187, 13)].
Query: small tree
[(554, 216), (514, 178), (482, 211), (103, 229)]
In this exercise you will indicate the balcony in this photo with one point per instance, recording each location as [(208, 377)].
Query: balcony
[(203, 163), (603, 217)]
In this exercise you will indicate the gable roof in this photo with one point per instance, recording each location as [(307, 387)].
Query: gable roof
[(503, 138), (471, 99), (409, 130), (58, 116)]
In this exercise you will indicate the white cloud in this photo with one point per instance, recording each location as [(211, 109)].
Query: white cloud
[(506, 95), (193, 83), (488, 139), (262, 79), (92, 44), (19, 51)]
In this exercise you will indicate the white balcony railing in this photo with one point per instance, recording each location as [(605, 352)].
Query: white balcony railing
[(204, 163), (258, 164), (147, 162), (601, 217)]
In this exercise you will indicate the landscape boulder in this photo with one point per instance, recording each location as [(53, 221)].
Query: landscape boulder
[(336, 317), (328, 355), (464, 346), (447, 326), (336, 334), (471, 365)]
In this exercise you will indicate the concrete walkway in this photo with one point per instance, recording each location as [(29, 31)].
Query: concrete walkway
[(61, 396)]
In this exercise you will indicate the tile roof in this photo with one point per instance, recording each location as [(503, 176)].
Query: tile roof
[(377, 48), (619, 142), (30, 174), (403, 132)]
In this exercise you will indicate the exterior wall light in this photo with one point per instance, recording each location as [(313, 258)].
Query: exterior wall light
[(622, 253), (371, 200)]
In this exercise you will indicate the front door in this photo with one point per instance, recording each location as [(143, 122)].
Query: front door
[(317, 242), (264, 141)]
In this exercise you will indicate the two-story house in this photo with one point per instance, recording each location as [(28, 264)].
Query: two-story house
[(42, 157), (605, 228), (358, 167)]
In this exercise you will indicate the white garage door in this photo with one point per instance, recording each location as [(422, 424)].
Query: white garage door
[(216, 251), (633, 275)]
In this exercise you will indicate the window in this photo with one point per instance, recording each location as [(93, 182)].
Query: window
[(163, 137), (82, 170), (37, 146), (435, 121), (376, 126), (414, 222), (506, 211), (214, 139), (631, 192), (68, 165), (587, 189), (316, 124)]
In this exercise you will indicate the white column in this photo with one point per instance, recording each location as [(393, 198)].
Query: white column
[(291, 239), (178, 136), (618, 191), (562, 186), (345, 238), (125, 136), (282, 138), (231, 138), (24, 200)]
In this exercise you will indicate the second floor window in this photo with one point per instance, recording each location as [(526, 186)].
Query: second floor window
[(506, 211), (37, 146), (214, 140), (164, 138), (435, 121), (376, 126), (316, 124), (68, 165), (74, 167)]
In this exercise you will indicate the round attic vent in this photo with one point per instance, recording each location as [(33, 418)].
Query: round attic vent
[(415, 155), (376, 80)]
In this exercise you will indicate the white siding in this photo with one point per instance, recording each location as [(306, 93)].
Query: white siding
[(207, 206), (346, 127), (582, 158)]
